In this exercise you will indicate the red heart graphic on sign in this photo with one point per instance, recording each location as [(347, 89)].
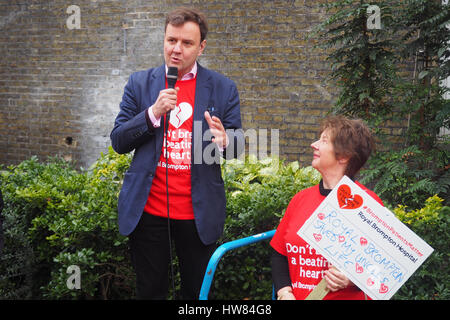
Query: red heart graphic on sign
[(370, 282), (359, 268), (321, 215), (317, 236), (363, 241), (383, 288), (341, 238), (346, 199)]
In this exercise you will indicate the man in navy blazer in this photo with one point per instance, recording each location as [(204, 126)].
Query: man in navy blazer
[(216, 131)]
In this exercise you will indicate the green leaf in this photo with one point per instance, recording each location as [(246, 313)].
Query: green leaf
[(423, 74)]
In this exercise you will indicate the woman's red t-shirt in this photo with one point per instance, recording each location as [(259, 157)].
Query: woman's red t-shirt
[(306, 267)]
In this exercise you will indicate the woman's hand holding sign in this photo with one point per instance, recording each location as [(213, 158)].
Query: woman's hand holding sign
[(336, 280)]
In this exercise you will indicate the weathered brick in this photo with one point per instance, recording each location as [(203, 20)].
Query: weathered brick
[(57, 83)]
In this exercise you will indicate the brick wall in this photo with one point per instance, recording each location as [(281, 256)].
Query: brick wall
[(60, 88)]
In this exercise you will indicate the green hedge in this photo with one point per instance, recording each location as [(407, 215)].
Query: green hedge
[(432, 222), (57, 216)]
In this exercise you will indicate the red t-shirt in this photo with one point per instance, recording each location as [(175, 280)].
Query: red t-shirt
[(179, 160), (306, 267)]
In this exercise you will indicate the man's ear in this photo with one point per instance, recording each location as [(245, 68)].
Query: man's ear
[(202, 47)]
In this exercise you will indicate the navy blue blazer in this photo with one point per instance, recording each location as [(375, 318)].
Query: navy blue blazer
[(133, 131)]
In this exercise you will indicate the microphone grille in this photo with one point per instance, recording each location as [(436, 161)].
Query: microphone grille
[(172, 73)]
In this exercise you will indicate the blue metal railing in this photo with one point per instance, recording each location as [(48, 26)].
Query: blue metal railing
[(220, 251)]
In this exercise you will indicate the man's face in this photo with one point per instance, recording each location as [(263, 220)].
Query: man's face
[(182, 46)]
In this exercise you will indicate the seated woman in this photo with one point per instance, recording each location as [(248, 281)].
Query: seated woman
[(343, 148)]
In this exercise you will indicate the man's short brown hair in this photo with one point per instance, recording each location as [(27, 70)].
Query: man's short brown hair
[(351, 139), (180, 16)]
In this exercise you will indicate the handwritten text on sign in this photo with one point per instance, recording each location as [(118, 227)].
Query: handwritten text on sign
[(364, 240)]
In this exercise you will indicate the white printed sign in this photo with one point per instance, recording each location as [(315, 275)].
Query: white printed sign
[(364, 240)]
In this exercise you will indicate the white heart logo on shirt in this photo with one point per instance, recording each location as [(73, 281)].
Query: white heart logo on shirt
[(180, 114)]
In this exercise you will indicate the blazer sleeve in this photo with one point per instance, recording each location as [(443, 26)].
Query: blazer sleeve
[(131, 127)]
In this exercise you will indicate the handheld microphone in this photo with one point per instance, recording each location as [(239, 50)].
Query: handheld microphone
[(172, 76)]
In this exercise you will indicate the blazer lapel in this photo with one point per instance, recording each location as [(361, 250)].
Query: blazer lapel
[(158, 83), (203, 93)]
